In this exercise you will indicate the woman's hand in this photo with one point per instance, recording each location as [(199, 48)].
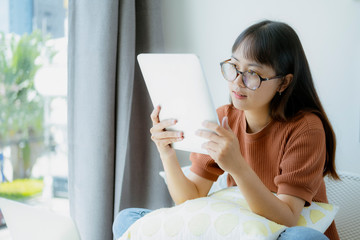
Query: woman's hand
[(161, 136), (223, 146)]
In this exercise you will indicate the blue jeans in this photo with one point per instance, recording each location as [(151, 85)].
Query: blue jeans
[(128, 216), (301, 233)]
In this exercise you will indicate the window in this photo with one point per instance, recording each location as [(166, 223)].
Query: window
[(33, 102)]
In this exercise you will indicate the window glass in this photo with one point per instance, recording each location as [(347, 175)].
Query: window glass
[(33, 103)]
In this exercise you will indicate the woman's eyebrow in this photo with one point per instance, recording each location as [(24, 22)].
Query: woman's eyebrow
[(255, 65), (250, 64)]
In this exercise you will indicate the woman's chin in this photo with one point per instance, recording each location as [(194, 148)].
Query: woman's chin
[(239, 104)]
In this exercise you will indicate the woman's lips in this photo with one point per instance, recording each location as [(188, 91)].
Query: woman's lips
[(239, 95)]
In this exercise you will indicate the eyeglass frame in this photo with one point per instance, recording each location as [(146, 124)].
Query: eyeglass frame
[(262, 79)]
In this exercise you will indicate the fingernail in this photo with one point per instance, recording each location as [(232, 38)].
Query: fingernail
[(180, 134)]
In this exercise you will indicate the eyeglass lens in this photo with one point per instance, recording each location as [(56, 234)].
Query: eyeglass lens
[(250, 80)]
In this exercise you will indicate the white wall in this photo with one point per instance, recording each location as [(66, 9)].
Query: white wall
[(328, 29)]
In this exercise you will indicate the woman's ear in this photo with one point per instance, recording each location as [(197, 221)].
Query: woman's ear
[(286, 82)]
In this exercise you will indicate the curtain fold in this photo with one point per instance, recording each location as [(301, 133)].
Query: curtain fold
[(112, 162)]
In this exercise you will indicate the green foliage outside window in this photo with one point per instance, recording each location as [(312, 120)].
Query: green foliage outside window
[(21, 105), (21, 188)]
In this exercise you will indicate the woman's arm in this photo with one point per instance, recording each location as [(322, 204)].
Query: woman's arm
[(284, 209), (223, 147), (180, 187)]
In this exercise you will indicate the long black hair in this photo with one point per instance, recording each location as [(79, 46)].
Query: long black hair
[(277, 45)]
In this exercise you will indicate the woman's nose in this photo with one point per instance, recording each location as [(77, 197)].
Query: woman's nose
[(239, 81)]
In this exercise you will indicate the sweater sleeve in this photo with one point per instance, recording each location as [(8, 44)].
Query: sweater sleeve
[(202, 164), (302, 165)]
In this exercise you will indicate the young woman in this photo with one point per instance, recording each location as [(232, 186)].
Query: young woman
[(274, 136)]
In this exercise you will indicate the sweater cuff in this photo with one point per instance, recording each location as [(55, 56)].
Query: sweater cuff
[(296, 191), (197, 169)]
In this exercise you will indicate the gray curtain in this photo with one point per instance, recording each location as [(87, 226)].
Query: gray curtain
[(112, 162)]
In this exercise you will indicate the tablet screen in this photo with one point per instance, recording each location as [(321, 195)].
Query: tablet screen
[(176, 82)]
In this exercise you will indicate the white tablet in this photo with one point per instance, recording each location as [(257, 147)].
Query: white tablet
[(176, 82)]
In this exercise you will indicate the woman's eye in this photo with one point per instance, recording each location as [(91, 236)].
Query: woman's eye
[(252, 73)]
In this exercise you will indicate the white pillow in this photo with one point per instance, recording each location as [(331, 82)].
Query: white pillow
[(222, 215)]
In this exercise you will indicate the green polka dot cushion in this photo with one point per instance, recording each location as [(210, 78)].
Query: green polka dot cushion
[(222, 215)]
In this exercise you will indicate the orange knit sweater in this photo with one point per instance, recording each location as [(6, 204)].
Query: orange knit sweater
[(288, 157)]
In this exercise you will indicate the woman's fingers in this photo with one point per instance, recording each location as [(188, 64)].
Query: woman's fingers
[(216, 128), (163, 138), (157, 124), (208, 135), (167, 141), (155, 115), (162, 125), (166, 135)]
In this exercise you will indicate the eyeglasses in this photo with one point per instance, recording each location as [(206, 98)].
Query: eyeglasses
[(250, 78)]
